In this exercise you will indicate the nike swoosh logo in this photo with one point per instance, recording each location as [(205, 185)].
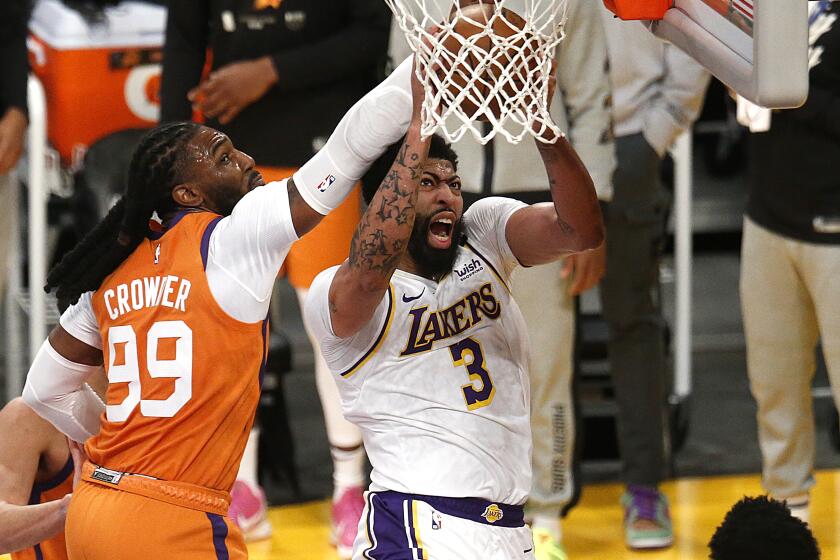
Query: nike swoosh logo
[(529, 550), (410, 299)]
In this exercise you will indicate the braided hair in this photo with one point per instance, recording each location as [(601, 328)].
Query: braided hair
[(153, 171)]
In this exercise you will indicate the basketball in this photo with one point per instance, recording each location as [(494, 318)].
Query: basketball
[(479, 43)]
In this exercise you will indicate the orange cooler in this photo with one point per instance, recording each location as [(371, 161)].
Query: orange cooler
[(99, 77)]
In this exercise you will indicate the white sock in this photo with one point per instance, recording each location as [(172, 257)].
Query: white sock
[(800, 507), (248, 466), (347, 469), (550, 523)]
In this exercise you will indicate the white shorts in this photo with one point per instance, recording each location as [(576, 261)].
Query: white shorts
[(396, 526)]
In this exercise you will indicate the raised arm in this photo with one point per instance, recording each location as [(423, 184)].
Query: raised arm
[(375, 122), (381, 238), (544, 232)]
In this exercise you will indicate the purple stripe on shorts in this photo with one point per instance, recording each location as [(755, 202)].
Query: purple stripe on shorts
[(387, 530), (220, 532), (474, 509), (205, 240)]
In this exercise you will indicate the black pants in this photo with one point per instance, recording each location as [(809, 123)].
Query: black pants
[(635, 221)]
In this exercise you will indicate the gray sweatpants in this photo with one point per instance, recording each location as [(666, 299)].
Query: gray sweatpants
[(790, 297), (549, 313), (635, 223)]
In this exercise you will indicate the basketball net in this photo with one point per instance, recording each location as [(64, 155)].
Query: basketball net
[(506, 87)]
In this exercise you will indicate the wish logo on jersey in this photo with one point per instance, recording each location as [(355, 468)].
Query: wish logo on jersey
[(469, 269), (430, 327)]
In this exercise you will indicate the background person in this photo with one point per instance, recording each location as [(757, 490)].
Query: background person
[(790, 256), (14, 63), (658, 91)]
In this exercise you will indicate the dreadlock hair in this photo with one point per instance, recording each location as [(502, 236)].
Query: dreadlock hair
[(153, 171), (762, 528), (439, 148)]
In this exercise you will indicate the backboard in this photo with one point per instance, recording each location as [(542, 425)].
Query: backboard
[(759, 48)]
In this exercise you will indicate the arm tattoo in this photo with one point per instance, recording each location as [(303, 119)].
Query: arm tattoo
[(383, 232)]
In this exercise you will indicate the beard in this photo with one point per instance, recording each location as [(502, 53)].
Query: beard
[(433, 263), (224, 199)]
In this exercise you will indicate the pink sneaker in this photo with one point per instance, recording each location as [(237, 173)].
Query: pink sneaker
[(249, 511), (346, 512)]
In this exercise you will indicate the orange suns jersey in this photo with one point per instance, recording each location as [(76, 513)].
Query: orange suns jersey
[(183, 376), (42, 492)]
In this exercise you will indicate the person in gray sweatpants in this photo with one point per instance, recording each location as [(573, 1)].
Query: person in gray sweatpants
[(657, 94), (581, 109)]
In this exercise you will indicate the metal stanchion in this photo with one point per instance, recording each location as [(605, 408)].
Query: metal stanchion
[(682, 153)]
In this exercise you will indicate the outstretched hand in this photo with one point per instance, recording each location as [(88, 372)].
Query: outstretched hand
[(231, 88)]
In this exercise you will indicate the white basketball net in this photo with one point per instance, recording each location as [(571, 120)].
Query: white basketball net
[(507, 86)]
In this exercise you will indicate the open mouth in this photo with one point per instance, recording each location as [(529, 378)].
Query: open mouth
[(440, 229)]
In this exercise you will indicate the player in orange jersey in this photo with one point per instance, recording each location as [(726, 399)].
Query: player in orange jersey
[(36, 479), (177, 315)]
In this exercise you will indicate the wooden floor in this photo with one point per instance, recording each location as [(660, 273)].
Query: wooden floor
[(593, 529)]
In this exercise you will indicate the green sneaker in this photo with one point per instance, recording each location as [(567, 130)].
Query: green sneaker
[(546, 547), (647, 522)]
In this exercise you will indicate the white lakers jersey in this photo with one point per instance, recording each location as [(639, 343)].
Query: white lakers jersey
[(438, 379)]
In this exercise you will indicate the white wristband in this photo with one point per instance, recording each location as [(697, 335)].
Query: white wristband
[(378, 120)]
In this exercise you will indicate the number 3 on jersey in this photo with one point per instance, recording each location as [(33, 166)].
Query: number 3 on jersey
[(468, 353), (124, 367)]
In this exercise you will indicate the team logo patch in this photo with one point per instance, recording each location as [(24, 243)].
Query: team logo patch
[(106, 475), (493, 513), (326, 183), (437, 521)]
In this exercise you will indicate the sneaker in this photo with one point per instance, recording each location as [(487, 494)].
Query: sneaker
[(346, 513), (546, 547), (248, 509), (647, 522)]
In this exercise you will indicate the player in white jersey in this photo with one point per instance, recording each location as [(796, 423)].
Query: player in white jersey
[(430, 350)]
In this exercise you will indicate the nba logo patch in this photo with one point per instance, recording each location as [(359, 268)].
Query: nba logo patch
[(157, 253), (437, 521), (326, 183), (493, 513)]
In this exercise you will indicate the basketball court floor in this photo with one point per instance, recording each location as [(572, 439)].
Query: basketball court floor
[(593, 529)]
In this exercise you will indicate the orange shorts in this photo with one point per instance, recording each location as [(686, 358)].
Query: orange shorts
[(325, 246), (104, 522)]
